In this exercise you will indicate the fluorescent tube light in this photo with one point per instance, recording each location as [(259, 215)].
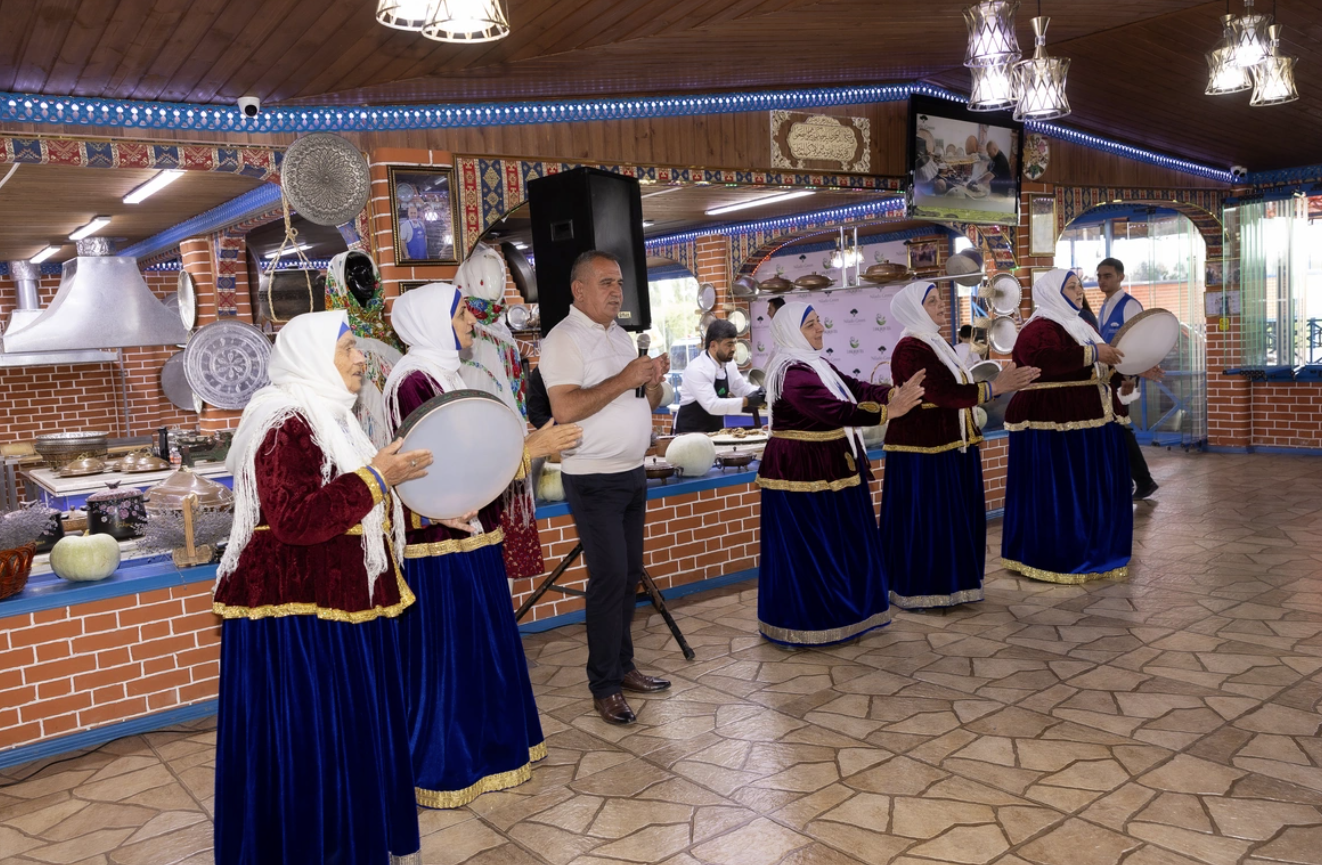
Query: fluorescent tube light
[(153, 186), (45, 254), (97, 223), (758, 202)]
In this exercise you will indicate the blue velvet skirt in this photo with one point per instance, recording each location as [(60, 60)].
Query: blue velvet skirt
[(933, 528), (473, 724), (820, 579), (1069, 515), (312, 763)]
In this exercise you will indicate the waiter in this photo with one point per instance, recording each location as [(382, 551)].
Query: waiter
[(713, 386), (1119, 307)]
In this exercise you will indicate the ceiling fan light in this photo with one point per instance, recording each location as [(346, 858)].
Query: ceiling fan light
[(1273, 78), (993, 88), (992, 41), (466, 21), (1250, 38), (1040, 82), (404, 14)]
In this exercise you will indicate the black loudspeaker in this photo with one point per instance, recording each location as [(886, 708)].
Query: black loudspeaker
[(582, 209)]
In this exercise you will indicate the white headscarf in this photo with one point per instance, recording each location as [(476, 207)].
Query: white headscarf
[(423, 318), (305, 383), (374, 340), (1049, 295), (792, 347), (907, 308), (482, 276)]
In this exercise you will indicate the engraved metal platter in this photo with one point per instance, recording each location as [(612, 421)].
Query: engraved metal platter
[(187, 297), (174, 383), (740, 321), (706, 297), (226, 362), (1002, 334), (477, 442), (326, 178)]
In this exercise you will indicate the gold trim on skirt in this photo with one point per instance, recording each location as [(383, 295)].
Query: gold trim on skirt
[(920, 602), (830, 635), (489, 784), (1031, 572), (460, 545), (808, 486)]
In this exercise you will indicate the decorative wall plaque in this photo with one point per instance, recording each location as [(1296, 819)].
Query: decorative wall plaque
[(820, 142)]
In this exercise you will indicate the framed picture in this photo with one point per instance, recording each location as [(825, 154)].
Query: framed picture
[(964, 165), (422, 210), (1033, 274), (1042, 225), (922, 254), (406, 285)]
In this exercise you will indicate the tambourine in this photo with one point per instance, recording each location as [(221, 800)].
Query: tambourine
[(476, 442), (1145, 340)]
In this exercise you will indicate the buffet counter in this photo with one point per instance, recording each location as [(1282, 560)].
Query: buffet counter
[(84, 663)]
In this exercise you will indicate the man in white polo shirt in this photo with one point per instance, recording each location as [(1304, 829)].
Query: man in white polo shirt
[(593, 376)]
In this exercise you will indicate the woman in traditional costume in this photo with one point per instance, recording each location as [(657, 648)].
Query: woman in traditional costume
[(1068, 514), (933, 509), (353, 284), (821, 577), (473, 724), (312, 763)]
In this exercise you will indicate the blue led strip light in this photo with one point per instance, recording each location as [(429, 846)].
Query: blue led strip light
[(232, 211), (48, 268), (85, 111), (785, 223)]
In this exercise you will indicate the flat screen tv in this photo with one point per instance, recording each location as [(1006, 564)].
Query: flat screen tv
[(963, 165)]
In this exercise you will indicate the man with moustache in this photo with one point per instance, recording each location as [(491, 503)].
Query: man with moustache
[(712, 386)]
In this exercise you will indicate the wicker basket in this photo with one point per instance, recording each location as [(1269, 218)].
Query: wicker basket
[(15, 565)]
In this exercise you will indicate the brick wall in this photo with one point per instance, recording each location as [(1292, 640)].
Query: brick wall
[(73, 669), (1286, 415)]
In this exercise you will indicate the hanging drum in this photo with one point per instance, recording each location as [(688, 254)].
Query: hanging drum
[(283, 294), (478, 443), (226, 363), (1002, 334), (326, 178)]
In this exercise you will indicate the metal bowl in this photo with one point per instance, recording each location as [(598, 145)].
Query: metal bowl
[(734, 459), (659, 469), (886, 271), (57, 449), (82, 467)]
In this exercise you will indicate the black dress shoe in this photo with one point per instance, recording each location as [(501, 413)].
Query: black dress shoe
[(1144, 491), (613, 709), (636, 681)]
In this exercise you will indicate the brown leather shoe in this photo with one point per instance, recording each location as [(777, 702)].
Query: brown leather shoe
[(636, 681), (613, 709)]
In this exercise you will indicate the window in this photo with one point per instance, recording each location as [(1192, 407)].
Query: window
[(673, 294), (1280, 268)]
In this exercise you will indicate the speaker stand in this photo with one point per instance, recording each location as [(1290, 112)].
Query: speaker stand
[(649, 586)]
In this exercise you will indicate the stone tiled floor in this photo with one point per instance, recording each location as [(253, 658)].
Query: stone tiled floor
[(1167, 720)]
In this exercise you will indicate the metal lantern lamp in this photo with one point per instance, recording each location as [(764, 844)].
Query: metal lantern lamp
[(466, 21), (1040, 81), (1250, 38), (404, 14), (993, 88), (992, 41), (1223, 76), (1273, 78)]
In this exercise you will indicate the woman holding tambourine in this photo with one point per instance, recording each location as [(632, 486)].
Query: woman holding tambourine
[(473, 724), (1068, 514)]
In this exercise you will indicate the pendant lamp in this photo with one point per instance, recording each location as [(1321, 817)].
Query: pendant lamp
[(1273, 78), (1223, 76), (992, 41), (404, 14), (1249, 37), (1040, 81), (466, 21), (993, 88)]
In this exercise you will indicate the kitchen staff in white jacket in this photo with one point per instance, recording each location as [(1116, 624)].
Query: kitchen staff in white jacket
[(712, 386)]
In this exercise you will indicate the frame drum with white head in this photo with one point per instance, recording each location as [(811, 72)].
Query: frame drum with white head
[(476, 443), (1145, 340)]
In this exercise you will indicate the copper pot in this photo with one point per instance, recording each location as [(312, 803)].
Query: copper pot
[(776, 285), (886, 271), (814, 281), (734, 459), (659, 469)]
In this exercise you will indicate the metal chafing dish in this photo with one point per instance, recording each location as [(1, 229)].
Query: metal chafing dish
[(169, 494)]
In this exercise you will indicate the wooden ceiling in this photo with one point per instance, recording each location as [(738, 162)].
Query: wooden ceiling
[(43, 204), (1137, 75)]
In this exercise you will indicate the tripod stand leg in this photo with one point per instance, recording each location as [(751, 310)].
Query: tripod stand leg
[(547, 583), (660, 603)]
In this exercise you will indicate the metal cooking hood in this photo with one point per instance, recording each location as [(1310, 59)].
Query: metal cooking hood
[(26, 275), (103, 302)]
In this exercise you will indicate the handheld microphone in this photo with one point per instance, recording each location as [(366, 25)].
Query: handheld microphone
[(644, 343)]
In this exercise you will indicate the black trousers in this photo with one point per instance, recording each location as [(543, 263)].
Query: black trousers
[(1138, 466), (609, 510)]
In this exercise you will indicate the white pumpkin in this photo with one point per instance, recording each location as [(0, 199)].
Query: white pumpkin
[(550, 484), (692, 453), (979, 416), (85, 558)]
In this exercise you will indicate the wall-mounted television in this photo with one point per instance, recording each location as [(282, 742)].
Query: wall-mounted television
[(963, 165)]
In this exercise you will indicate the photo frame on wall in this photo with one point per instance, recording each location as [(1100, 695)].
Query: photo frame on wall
[(1033, 274), (406, 285), (1042, 225), (422, 212), (922, 254)]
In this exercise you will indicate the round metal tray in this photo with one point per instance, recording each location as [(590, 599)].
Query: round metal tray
[(326, 178), (226, 363)]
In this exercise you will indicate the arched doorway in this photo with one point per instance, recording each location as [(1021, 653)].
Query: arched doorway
[(1166, 259)]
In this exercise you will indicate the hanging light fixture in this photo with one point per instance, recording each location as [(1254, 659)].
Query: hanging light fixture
[(1249, 37), (404, 14), (466, 21), (992, 41), (1223, 76), (1273, 78), (993, 88), (1039, 83)]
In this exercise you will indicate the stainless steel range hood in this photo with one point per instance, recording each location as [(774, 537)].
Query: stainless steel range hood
[(26, 275), (103, 302)]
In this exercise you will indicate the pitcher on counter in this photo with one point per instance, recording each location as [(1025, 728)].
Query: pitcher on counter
[(821, 577), (312, 761)]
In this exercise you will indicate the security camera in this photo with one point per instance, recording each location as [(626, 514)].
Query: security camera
[(250, 105), (1238, 172)]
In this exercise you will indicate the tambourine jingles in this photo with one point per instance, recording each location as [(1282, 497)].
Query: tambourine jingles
[(1145, 340), (476, 443)]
